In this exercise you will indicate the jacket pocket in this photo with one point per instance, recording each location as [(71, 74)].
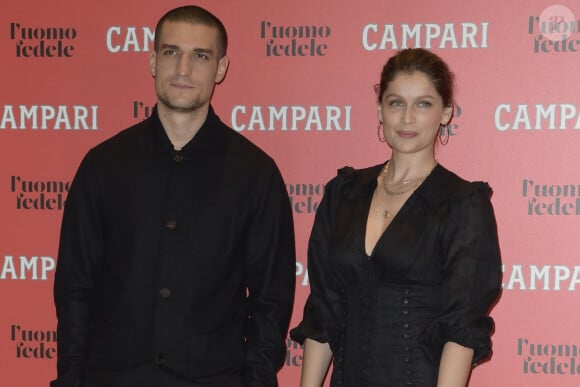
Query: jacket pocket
[(217, 352)]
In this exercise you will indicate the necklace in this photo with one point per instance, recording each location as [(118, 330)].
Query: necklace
[(412, 183)]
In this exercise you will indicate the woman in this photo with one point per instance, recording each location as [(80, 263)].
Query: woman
[(403, 258)]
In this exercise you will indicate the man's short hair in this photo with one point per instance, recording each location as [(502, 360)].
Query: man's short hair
[(194, 15)]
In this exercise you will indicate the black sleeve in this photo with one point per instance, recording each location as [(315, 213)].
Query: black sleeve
[(270, 278), (79, 257), (473, 274)]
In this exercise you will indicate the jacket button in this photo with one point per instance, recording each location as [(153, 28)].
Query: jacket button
[(178, 158), (170, 225), (159, 360), (164, 293)]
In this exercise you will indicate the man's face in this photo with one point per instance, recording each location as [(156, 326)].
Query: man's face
[(186, 66)]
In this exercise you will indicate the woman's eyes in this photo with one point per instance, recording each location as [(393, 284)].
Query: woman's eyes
[(399, 103)]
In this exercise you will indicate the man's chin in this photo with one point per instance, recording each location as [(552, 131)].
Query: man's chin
[(180, 107)]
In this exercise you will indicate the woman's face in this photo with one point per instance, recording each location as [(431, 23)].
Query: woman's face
[(411, 111)]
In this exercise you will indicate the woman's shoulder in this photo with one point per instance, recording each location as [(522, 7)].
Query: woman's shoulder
[(445, 184), (349, 180)]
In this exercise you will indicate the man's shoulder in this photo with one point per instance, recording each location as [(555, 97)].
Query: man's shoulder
[(122, 141), (245, 150), (125, 136)]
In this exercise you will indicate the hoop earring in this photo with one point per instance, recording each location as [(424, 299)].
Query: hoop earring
[(443, 134), (379, 131)]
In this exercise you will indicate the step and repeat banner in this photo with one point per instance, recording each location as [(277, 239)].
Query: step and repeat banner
[(300, 85)]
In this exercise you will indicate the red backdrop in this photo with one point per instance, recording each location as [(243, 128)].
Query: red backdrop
[(300, 85)]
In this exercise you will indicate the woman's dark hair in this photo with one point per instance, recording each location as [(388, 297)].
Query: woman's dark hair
[(419, 59)]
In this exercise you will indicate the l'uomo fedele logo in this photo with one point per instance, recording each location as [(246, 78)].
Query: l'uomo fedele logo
[(32, 343), (555, 30), (548, 358), (34, 41)]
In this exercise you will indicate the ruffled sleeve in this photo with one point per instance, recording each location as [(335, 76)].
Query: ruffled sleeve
[(472, 268), (322, 307)]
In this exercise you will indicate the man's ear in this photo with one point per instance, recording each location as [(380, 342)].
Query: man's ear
[(222, 69), (153, 63)]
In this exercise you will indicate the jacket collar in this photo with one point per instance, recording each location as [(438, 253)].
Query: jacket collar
[(210, 138)]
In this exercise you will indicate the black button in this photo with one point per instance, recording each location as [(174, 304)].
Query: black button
[(406, 325), (164, 293), (406, 359), (178, 158), (406, 348), (407, 292), (406, 335), (170, 225), (159, 360), (405, 312), (405, 301)]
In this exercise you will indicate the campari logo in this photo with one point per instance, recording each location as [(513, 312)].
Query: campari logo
[(541, 277), (302, 273), (129, 39), (555, 30), (49, 117), (38, 194), (292, 118), (43, 41), (33, 343), (296, 41), (19, 268), (535, 118), (456, 35)]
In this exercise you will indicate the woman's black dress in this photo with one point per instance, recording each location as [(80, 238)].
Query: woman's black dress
[(431, 278)]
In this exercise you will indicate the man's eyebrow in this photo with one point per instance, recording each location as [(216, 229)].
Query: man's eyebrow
[(203, 50), (172, 46), (175, 47)]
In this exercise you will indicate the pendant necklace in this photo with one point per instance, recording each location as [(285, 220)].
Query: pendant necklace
[(412, 183)]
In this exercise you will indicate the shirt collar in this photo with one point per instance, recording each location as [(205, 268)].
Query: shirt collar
[(210, 138)]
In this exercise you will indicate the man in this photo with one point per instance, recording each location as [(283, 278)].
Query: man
[(176, 262)]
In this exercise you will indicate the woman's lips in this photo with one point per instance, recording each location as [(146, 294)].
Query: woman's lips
[(406, 133)]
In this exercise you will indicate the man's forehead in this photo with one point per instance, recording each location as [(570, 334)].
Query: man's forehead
[(176, 26)]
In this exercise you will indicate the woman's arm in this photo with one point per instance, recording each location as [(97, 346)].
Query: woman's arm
[(317, 357), (455, 365)]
